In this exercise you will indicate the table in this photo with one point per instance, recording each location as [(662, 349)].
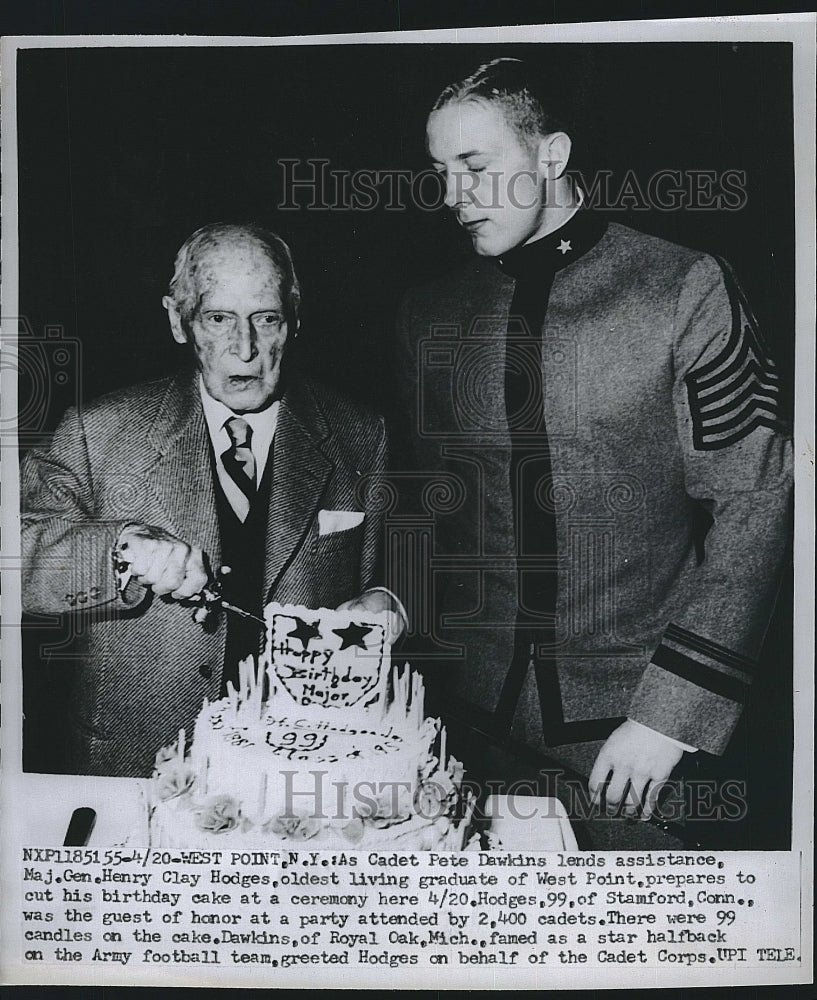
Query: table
[(44, 803)]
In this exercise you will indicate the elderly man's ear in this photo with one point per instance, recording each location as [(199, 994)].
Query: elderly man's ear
[(175, 318)]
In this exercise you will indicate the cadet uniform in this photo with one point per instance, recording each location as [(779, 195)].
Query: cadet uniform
[(662, 411)]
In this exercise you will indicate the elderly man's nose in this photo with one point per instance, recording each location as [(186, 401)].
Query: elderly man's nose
[(244, 345)]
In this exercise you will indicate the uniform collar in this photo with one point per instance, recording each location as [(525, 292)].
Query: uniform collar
[(558, 249)]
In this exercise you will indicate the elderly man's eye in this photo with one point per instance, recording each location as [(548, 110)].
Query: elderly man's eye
[(268, 319)]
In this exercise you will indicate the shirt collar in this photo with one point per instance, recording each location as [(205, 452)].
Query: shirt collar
[(216, 414)]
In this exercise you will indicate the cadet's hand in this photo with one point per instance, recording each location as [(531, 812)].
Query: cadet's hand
[(633, 756), (163, 562), (373, 601)]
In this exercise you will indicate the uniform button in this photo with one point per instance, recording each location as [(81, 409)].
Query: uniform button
[(70, 599), (82, 598), (94, 592), (206, 670)]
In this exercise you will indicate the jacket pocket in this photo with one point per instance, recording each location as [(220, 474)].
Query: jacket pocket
[(337, 565)]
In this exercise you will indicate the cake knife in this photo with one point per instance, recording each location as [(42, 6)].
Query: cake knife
[(207, 601)]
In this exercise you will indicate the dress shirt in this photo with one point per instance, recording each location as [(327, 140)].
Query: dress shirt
[(263, 424)]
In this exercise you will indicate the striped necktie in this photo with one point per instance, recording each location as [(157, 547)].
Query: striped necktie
[(239, 461)]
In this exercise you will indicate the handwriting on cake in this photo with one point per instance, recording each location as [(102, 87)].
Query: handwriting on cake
[(302, 739), (332, 660)]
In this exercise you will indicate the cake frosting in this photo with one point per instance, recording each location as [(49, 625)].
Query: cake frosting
[(323, 741)]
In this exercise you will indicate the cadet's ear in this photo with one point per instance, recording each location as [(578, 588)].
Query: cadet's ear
[(554, 153), (175, 318)]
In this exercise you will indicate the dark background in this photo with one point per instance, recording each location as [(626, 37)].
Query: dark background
[(123, 152)]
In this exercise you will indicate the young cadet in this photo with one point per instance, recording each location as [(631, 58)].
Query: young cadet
[(590, 390)]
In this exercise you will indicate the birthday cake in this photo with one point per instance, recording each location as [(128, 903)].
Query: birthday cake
[(321, 741)]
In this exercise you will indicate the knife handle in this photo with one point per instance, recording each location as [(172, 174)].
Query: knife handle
[(80, 827)]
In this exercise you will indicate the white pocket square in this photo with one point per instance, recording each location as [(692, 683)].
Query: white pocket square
[(330, 521)]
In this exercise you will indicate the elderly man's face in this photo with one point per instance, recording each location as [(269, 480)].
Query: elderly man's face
[(238, 329)]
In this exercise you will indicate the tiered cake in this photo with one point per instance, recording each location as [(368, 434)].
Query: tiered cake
[(338, 752)]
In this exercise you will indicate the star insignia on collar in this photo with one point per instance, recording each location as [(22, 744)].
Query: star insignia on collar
[(352, 635), (305, 631), (564, 246)]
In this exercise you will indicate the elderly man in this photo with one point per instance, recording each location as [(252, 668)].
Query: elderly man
[(148, 495), (595, 392)]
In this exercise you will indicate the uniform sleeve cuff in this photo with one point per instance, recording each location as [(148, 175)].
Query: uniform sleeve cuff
[(671, 739)]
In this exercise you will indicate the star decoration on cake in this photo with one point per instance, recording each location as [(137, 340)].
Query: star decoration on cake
[(352, 635), (564, 246), (305, 631)]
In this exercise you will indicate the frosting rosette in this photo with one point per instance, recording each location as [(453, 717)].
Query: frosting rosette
[(353, 830), (174, 779), (219, 814), (292, 826)]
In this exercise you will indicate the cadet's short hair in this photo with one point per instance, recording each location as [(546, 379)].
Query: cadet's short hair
[(519, 90), (184, 289)]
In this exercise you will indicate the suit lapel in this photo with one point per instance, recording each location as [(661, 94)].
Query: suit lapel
[(300, 473), (182, 478)]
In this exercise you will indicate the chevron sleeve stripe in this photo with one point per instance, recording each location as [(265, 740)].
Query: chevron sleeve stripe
[(739, 389)]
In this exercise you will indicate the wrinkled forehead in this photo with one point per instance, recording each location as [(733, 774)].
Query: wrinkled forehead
[(236, 260)]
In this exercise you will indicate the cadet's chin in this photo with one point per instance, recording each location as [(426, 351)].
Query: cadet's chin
[(486, 250), (484, 246)]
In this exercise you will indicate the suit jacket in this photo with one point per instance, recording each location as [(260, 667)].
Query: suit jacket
[(142, 454), (661, 407)]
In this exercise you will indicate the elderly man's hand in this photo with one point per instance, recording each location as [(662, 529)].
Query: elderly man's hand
[(162, 562), (637, 756), (373, 601)]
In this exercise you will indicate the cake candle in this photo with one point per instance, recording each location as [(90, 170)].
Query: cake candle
[(231, 694), (262, 795)]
